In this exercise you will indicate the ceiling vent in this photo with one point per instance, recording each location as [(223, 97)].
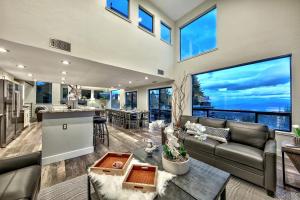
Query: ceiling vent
[(59, 44), (160, 72)]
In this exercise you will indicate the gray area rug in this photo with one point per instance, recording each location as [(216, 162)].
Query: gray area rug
[(237, 189)]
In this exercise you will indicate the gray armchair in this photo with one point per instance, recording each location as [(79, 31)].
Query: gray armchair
[(20, 177)]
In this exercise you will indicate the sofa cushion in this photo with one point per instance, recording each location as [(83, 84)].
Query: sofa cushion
[(251, 134), (240, 153), (209, 145), (185, 118), (216, 123), (20, 184)]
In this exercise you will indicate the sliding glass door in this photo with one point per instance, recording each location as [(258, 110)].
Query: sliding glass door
[(115, 99), (160, 104), (131, 100)]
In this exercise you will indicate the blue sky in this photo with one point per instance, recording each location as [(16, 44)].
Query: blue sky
[(145, 20), (199, 36), (165, 33), (263, 86)]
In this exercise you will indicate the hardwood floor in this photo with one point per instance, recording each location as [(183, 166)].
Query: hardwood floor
[(120, 140)]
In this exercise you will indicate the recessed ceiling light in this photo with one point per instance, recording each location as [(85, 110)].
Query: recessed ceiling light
[(63, 78), (63, 72), (63, 82), (65, 62), (130, 82), (20, 66), (119, 85), (146, 78), (30, 75), (2, 50)]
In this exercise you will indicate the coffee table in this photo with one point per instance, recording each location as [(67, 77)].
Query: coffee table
[(201, 182)]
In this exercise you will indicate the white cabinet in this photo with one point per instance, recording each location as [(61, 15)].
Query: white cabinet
[(26, 117)]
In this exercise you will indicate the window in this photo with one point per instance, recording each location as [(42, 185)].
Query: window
[(165, 33), (119, 6), (43, 92), (64, 93), (257, 92), (115, 99), (145, 19), (199, 36), (101, 94), (160, 104), (85, 94), (131, 100)]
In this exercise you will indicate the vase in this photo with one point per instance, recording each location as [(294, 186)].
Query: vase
[(297, 140), (177, 168)]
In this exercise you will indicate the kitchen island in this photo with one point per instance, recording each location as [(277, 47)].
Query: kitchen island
[(66, 133)]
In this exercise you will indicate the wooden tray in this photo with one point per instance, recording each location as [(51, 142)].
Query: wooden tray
[(142, 178), (104, 164)]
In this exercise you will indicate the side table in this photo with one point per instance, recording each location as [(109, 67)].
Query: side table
[(293, 152)]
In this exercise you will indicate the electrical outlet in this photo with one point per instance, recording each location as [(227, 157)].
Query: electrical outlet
[(65, 126)]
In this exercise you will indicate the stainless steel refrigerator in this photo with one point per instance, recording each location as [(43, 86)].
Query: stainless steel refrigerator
[(10, 108)]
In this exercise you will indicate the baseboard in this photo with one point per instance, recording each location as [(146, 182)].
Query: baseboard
[(67, 155)]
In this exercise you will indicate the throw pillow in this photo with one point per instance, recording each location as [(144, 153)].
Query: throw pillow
[(219, 134)]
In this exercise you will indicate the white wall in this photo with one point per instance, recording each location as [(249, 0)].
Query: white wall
[(249, 30), (95, 33)]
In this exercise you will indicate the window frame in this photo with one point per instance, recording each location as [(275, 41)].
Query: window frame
[(164, 24), (86, 90), (144, 28), (254, 62), (111, 98), (118, 13), (131, 96), (36, 96), (159, 100), (191, 21)]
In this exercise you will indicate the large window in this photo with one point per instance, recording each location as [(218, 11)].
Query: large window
[(131, 100), (64, 93), (160, 104), (85, 94), (255, 92), (43, 92), (165, 33), (119, 6), (101, 94), (145, 19), (199, 36), (115, 99)]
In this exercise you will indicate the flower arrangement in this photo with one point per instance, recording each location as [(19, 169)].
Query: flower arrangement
[(172, 149), (197, 130), (296, 130)]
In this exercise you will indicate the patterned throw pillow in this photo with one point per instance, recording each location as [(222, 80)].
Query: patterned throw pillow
[(219, 134)]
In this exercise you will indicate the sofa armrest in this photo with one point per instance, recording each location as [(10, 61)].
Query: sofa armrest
[(18, 162), (270, 165)]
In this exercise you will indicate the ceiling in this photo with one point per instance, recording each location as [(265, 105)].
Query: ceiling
[(175, 9), (46, 65)]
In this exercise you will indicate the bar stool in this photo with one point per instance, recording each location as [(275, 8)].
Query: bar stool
[(100, 129), (145, 119)]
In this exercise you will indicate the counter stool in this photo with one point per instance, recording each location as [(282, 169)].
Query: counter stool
[(100, 129)]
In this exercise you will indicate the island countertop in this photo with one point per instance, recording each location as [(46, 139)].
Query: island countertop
[(70, 110)]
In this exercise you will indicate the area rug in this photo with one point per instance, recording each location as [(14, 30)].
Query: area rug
[(76, 189), (111, 186)]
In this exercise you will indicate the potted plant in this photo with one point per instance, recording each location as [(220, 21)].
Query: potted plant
[(296, 130), (174, 157)]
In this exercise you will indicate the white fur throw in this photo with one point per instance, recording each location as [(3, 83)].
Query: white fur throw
[(111, 186)]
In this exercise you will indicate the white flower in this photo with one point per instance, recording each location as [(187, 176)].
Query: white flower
[(296, 126)]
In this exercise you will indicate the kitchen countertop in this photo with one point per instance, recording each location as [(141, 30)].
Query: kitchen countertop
[(70, 110)]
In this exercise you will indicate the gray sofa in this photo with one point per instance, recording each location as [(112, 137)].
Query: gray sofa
[(20, 177), (250, 153)]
